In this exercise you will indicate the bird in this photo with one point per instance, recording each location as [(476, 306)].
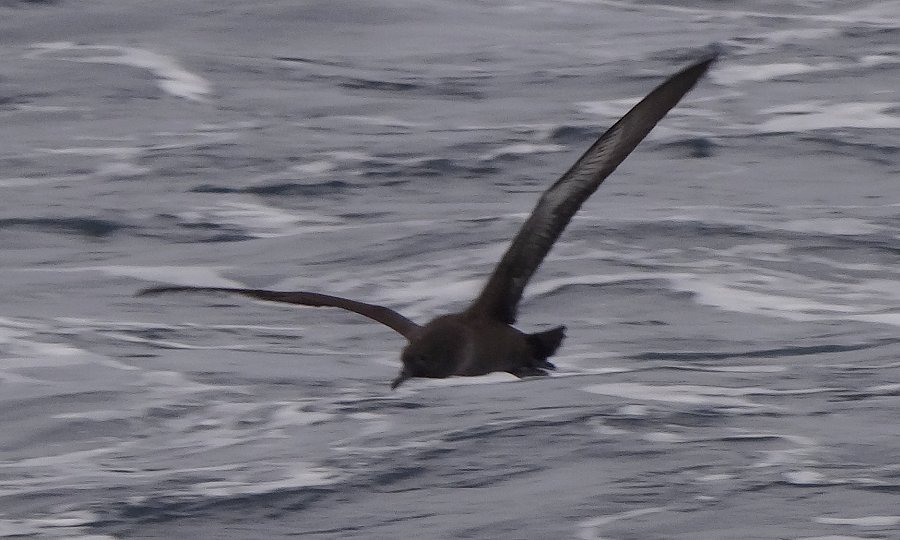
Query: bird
[(482, 339)]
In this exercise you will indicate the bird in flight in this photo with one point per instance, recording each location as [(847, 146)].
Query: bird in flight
[(481, 339)]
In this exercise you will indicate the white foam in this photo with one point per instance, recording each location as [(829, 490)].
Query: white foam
[(835, 226), (610, 431), (314, 167), (290, 414), (121, 170), (82, 324), (374, 423), (62, 525), (864, 267), (756, 250), (610, 108), (491, 378), (31, 354), (732, 298), (197, 137), (832, 537), (68, 519), (788, 456), (175, 382), (879, 59), (430, 295), (169, 344), (171, 77), (26, 352), (805, 444), (588, 527), (805, 478), (685, 394), (870, 15), (261, 220), (884, 388), (734, 293), (892, 319), (736, 73), (726, 369), (12, 378), (715, 477), (206, 276), (29, 107), (120, 152), (11, 329), (664, 437), (794, 35), (633, 410), (781, 295), (96, 415), (17, 527), (348, 155), (816, 115), (74, 459), (867, 521), (299, 475), (551, 285), (521, 149), (383, 120), (766, 72)]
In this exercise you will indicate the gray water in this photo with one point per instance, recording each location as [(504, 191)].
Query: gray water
[(732, 365)]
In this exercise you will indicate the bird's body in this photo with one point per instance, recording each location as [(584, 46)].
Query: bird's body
[(482, 339), (471, 344)]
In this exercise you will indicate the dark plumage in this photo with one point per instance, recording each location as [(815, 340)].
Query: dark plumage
[(481, 339)]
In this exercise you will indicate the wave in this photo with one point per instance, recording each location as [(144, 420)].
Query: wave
[(171, 77), (90, 227)]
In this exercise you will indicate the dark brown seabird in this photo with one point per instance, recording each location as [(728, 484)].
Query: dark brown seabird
[(481, 339)]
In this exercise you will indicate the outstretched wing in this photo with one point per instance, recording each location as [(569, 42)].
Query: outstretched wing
[(385, 316), (558, 204)]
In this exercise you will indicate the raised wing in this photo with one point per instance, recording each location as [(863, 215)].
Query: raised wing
[(558, 204), (385, 316)]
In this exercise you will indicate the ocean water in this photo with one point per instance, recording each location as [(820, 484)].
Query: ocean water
[(732, 365)]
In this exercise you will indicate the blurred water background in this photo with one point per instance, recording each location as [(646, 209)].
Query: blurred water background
[(732, 366)]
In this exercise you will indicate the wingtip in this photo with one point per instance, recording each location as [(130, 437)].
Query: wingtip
[(399, 380), (154, 291), (711, 54), (705, 61), (698, 68)]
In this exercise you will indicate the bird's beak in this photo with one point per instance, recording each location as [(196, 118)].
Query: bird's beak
[(399, 380)]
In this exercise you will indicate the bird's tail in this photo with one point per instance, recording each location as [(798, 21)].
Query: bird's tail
[(544, 344)]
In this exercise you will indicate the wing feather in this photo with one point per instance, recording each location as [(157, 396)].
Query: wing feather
[(385, 316), (503, 291)]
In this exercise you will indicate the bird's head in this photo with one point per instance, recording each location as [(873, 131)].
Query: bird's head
[(435, 352)]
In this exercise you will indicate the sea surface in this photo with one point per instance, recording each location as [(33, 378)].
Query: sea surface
[(732, 293)]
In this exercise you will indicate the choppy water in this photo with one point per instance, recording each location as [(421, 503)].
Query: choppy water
[(732, 366)]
